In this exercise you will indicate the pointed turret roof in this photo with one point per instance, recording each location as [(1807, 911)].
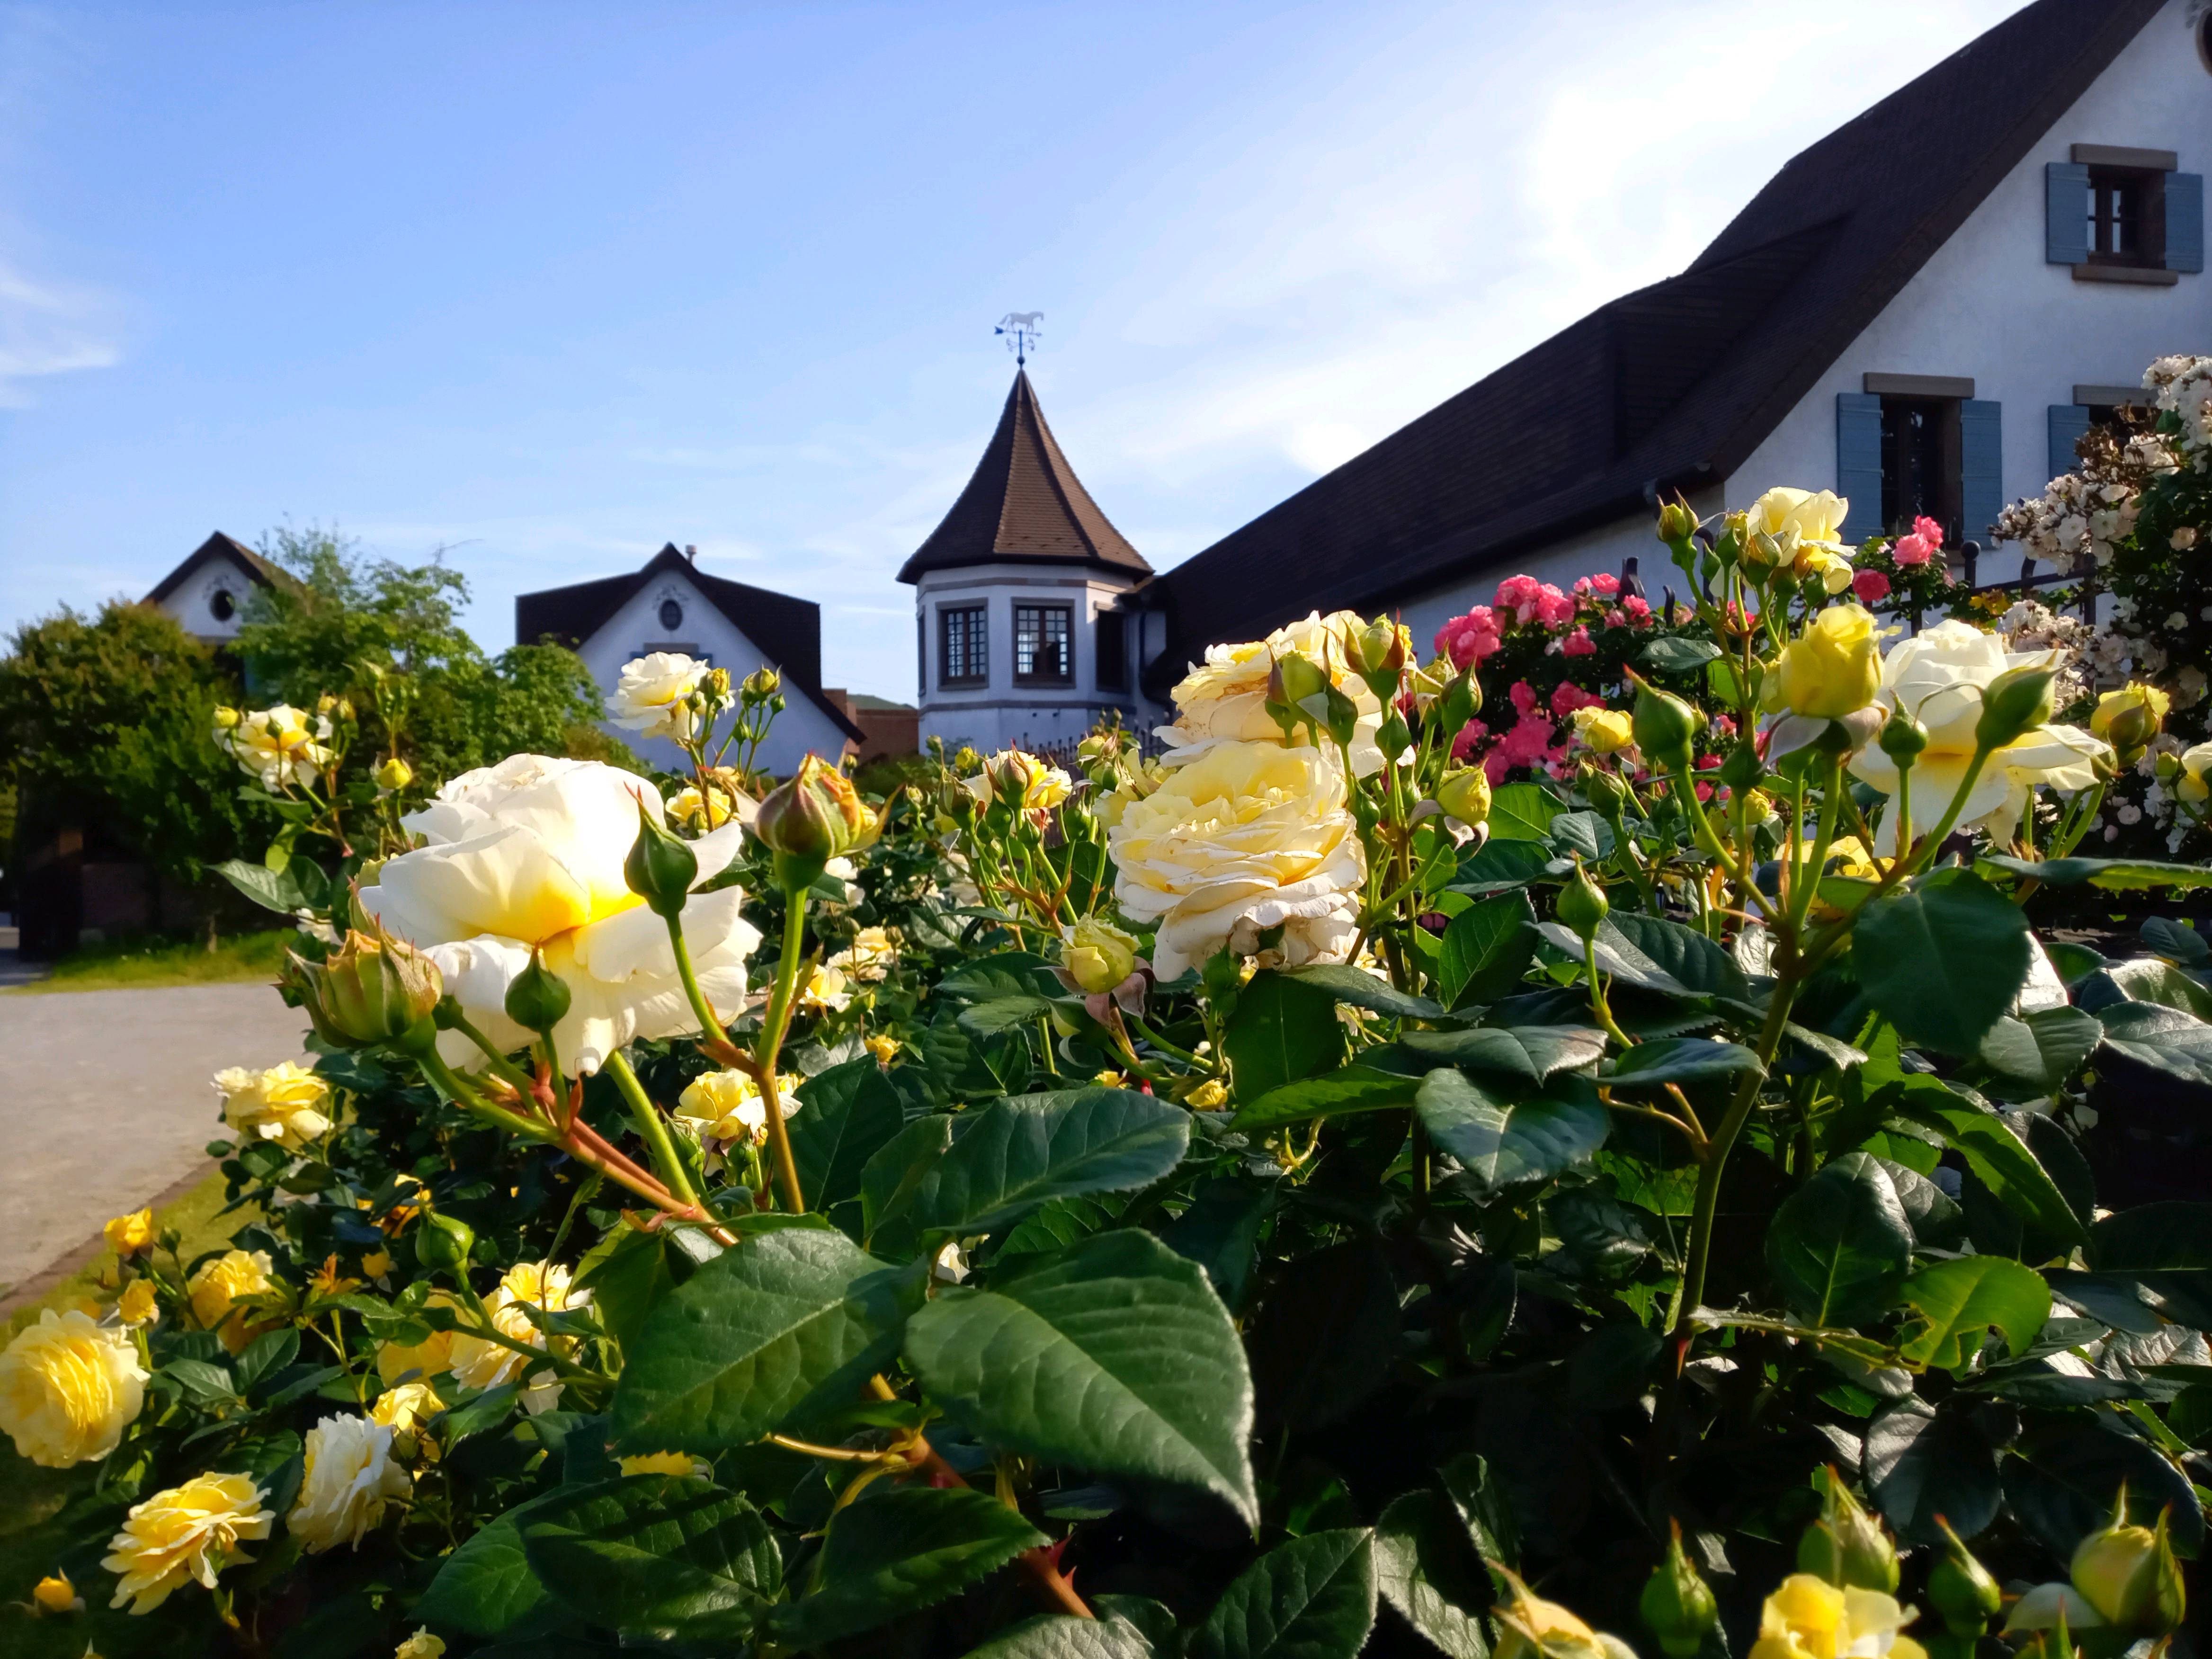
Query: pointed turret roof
[(1025, 503)]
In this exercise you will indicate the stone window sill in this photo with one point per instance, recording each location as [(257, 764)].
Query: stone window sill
[(2135, 276)]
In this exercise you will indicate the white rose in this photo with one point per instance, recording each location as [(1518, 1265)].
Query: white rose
[(1246, 837), (349, 1477), (279, 745), (868, 958), (1937, 677), (478, 1364), (653, 695), (528, 854), (1225, 699)]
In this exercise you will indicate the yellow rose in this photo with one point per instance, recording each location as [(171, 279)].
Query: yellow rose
[(1794, 517), (1809, 1618), (127, 1235), (1210, 1095), (1834, 667), (654, 695), (529, 855), (868, 958), (1097, 955), (349, 1479), (55, 1594), (220, 1285), (1537, 1629), (1937, 677), (669, 1463), (136, 1305), (394, 775), (2191, 785), (404, 1407), (727, 1105), (421, 1645), (2129, 718), (68, 1389), (1029, 784), (396, 1362), (283, 1104), (1608, 730), (1246, 838), (824, 992), (277, 746), (722, 802), (477, 1364), (884, 1049), (376, 1264), (191, 1532), (1223, 699)]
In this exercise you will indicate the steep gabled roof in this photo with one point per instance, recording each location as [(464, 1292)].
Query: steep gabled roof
[(788, 631), (1673, 385), (1025, 503), (251, 565)]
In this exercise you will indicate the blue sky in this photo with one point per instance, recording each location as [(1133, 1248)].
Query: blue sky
[(550, 284)]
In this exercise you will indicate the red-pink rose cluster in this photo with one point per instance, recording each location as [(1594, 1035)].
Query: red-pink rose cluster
[(1523, 602), (1920, 545)]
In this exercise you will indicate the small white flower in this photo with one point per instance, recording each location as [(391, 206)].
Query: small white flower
[(654, 696)]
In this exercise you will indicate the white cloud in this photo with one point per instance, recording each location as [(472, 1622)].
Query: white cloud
[(48, 328)]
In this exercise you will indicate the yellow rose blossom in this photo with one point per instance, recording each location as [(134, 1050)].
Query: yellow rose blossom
[(69, 1387), (668, 1462), (1110, 1078), (1210, 1095), (284, 1103), (1246, 838), (1536, 1629), (1607, 730), (421, 1645), (1809, 1618), (2129, 718), (220, 1285), (824, 992), (394, 775), (376, 1264), (867, 960), (723, 803), (2191, 785), (1223, 699), (136, 1305), (884, 1049), (1097, 955), (399, 1363), (477, 1364), (348, 1478), (404, 1407), (280, 746), (55, 1594), (1834, 667), (727, 1105), (188, 1533), (127, 1235), (1833, 567), (1795, 517), (1032, 785)]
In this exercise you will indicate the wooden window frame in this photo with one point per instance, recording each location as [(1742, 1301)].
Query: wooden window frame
[(975, 644), (1041, 609)]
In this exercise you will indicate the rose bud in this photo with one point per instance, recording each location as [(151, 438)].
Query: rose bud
[(1582, 906), (660, 867), (537, 1001), (1677, 1605), (1663, 724), (2128, 1573), (373, 989), (1465, 795), (1097, 955), (2014, 704)]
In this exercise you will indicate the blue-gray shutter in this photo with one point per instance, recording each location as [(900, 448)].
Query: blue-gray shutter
[(2069, 424), (2185, 222), (1858, 462), (2065, 213), (1981, 467)]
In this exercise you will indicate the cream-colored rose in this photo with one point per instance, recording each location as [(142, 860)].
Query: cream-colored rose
[(824, 991), (727, 1105), (529, 854), (653, 695), (397, 1363), (2191, 784), (868, 958), (220, 1285), (1246, 837), (477, 1364), (1223, 699), (1809, 1618), (421, 1645), (404, 1407), (68, 1389), (1796, 517), (1937, 677), (283, 1104), (349, 1479), (188, 1533), (280, 746), (138, 1305)]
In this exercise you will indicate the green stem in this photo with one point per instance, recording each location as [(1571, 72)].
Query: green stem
[(1801, 899), (653, 1127), (501, 1064), (444, 1077), (1597, 995), (708, 1022), (772, 1026)]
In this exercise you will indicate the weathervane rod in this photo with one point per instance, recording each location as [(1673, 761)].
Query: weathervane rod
[(1021, 329)]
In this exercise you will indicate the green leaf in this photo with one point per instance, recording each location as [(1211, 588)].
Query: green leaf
[(2172, 1234), (2045, 1048), (1958, 1301), (1523, 811), (1656, 955), (1921, 1464), (487, 1586), (1009, 974), (2117, 875), (1363, 990), (1502, 1139), (889, 1179), (1426, 1569), (1678, 1060), (1945, 960), (786, 1321), (1062, 1636), (899, 1549), (1678, 654), (984, 1020), (1353, 1089), (1312, 1598), (1527, 1052), (1500, 866), (2165, 1039), (1839, 1245), (1283, 1029), (2000, 1160), (1487, 949), (656, 1555), (628, 1272), (1018, 1153), (847, 1115), (271, 890), (1114, 1355), (2146, 979)]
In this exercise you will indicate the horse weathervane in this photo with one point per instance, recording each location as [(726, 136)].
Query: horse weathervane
[(1021, 330)]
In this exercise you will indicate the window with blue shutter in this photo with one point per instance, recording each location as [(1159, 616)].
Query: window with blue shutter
[(2065, 221), (1981, 467), (1858, 462), (2069, 424), (2185, 222)]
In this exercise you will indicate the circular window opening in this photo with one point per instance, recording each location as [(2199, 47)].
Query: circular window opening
[(222, 605), (672, 615)]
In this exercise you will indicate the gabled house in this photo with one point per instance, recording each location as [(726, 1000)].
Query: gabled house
[(207, 593), (1922, 312), (670, 605)]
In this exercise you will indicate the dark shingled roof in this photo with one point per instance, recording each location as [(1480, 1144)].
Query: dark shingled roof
[(787, 630), (1671, 387), (255, 568), (1025, 502)]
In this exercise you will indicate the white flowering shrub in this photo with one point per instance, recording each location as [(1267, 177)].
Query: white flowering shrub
[(1287, 1196)]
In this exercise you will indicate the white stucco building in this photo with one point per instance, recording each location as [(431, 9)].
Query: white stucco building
[(1922, 312), (670, 605), (207, 593)]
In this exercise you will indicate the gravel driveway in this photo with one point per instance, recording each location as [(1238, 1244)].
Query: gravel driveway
[(105, 1102)]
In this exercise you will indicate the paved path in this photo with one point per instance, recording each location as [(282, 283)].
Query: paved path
[(105, 1102)]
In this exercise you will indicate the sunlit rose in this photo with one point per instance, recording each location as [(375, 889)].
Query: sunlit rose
[(186, 1534), (653, 695), (68, 1389), (1223, 699), (283, 1104), (1809, 1618), (221, 1285), (349, 1479), (478, 1364), (280, 746)]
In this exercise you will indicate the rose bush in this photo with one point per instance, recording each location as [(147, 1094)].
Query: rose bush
[(1292, 1196)]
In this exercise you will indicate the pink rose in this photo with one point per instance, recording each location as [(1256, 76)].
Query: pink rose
[(1608, 585), (1553, 608), (1469, 735), (1568, 696), (1871, 585), (1579, 644), (1906, 550), (1495, 766), (1638, 610)]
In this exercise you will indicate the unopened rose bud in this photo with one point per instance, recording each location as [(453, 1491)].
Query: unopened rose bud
[(1393, 737), (373, 989), (1378, 653), (1761, 551), (2129, 718), (1677, 524), (2014, 704), (443, 1244), (1460, 702), (1464, 795), (1602, 789), (539, 999), (1097, 955), (660, 867), (762, 684), (325, 703), (813, 817), (1902, 739), (1960, 1589), (2128, 1573), (1294, 677), (225, 718), (1664, 726), (1581, 907), (394, 775), (1678, 1606), (1846, 1546)]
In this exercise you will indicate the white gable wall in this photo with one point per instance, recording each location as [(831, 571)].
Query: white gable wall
[(192, 601), (706, 633)]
